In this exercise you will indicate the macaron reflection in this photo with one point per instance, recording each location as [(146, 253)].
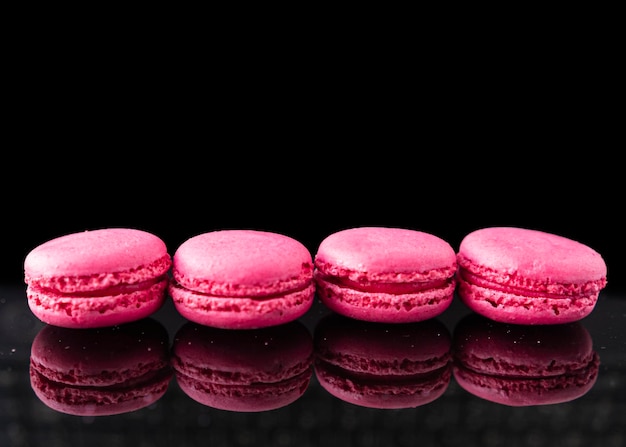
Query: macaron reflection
[(243, 370), (384, 366), (518, 365), (104, 371)]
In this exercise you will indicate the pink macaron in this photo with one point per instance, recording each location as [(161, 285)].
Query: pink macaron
[(101, 371), (97, 278), (389, 275), (385, 366), (246, 370), (524, 276), (242, 279), (523, 365)]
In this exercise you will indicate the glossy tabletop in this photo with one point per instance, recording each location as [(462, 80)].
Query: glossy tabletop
[(588, 410)]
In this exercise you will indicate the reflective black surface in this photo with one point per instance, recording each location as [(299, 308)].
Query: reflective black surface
[(440, 412)]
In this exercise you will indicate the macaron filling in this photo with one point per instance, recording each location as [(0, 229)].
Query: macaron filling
[(394, 288), (192, 299), (513, 283), (103, 284), (68, 308), (384, 281), (117, 289), (270, 289), (383, 300)]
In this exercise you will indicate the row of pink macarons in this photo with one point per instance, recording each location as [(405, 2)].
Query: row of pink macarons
[(245, 279)]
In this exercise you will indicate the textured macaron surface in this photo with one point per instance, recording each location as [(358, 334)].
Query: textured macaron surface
[(383, 274), (94, 260), (242, 263), (525, 276), (531, 260), (382, 259)]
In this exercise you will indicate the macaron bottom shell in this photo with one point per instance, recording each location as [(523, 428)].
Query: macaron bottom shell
[(241, 312), (385, 307), (509, 307), (99, 311)]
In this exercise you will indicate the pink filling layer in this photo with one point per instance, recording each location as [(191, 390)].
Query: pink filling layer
[(394, 288), (241, 312), (117, 289), (385, 282), (386, 307), (254, 288), (106, 310), (104, 281), (207, 302), (519, 309), (514, 283)]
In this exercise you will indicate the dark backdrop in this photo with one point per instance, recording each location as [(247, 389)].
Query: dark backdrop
[(303, 142), (309, 187)]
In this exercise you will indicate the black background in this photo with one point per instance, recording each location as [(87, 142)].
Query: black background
[(311, 151), (307, 192)]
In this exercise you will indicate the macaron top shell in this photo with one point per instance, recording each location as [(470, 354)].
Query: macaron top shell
[(242, 263), (393, 255), (97, 259), (533, 254)]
